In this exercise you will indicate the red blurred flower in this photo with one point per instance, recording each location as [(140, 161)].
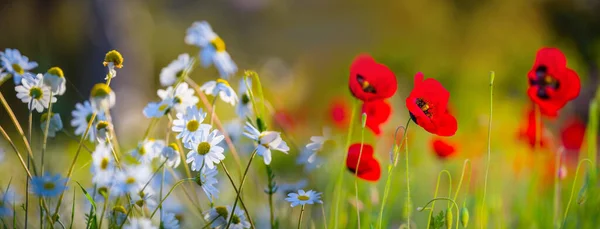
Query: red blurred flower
[(368, 168), (551, 83), (370, 80), (378, 112), (428, 107), (339, 113), (529, 131), (572, 134), (443, 148), (284, 119)]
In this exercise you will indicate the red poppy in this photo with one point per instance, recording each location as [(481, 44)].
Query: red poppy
[(368, 168), (339, 113), (370, 80), (529, 131), (551, 83), (443, 148), (428, 107), (378, 112), (572, 134), (284, 119)]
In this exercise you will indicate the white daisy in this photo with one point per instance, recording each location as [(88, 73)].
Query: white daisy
[(102, 98), (205, 150), (158, 109), (169, 221), (130, 179), (302, 198), (317, 142), (34, 93), (147, 150), (55, 123), (55, 79), (48, 185), (218, 216), (244, 107), (221, 88), (16, 64), (175, 70), (207, 179), (81, 117), (102, 162), (182, 97), (213, 48), (189, 124), (239, 220), (171, 154), (139, 223), (266, 140)]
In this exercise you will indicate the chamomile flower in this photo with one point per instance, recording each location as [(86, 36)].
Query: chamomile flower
[(239, 220), (205, 151), (189, 124), (145, 198), (244, 107), (213, 48), (130, 179), (147, 150), (182, 97), (103, 130), (55, 123), (55, 79), (34, 93), (303, 198), (218, 216), (81, 117), (317, 142), (112, 60), (16, 64), (207, 179), (175, 70), (158, 109), (171, 154), (139, 223), (221, 88), (103, 165), (267, 141), (102, 98), (169, 221), (48, 185)]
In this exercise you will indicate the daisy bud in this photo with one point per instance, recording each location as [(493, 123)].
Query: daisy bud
[(102, 97), (464, 217), (55, 79), (113, 57), (449, 219), (103, 191)]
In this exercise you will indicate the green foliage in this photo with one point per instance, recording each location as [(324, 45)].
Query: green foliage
[(438, 221)]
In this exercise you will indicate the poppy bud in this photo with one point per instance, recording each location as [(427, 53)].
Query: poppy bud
[(464, 217), (449, 218)]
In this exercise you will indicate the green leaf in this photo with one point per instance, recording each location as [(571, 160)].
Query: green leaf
[(91, 221)]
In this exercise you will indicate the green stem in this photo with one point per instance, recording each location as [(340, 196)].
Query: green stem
[(237, 192), (169, 193), (462, 175), (556, 192), (340, 180), (46, 129), (489, 149), (28, 162), (436, 193), (443, 198), (573, 189), (300, 219), (362, 141), (241, 187), (102, 214), (407, 176)]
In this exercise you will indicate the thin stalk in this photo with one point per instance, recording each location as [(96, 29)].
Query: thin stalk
[(573, 189), (237, 192), (340, 180), (462, 175), (556, 193), (241, 187), (362, 144), (160, 195), (102, 214), (489, 148), (436, 193), (407, 176), (443, 198), (209, 223), (46, 129), (113, 136), (27, 180), (300, 219), (271, 208), (12, 144), (14, 120), (213, 110), (169, 193), (324, 216)]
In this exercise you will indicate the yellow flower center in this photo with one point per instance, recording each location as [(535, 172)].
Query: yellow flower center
[(219, 44), (35, 93), (130, 180), (114, 57), (174, 147), (120, 209), (56, 71), (104, 163), (100, 90), (18, 69), (235, 219), (222, 81), (203, 148), (49, 186), (101, 125), (142, 150), (222, 211), (193, 125), (303, 198), (163, 107)]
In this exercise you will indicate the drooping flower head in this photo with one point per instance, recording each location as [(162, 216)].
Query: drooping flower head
[(34, 93), (443, 148), (102, 98), (368, 167), (16, 64), (551, 83), (378, 112), (213, 48), (158, 109), (55, 79), (303, 198), (55, 123), (171, 154), (370, 80), (112, 60), (221, 88), (428, 107), (267, 141), (175, 70)]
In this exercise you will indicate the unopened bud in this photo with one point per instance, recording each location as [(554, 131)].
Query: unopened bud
[(464, 217), (449, 218)]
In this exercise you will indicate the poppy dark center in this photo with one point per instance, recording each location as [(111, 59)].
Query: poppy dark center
[(544, 81), (424, 107), (366, 86)]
